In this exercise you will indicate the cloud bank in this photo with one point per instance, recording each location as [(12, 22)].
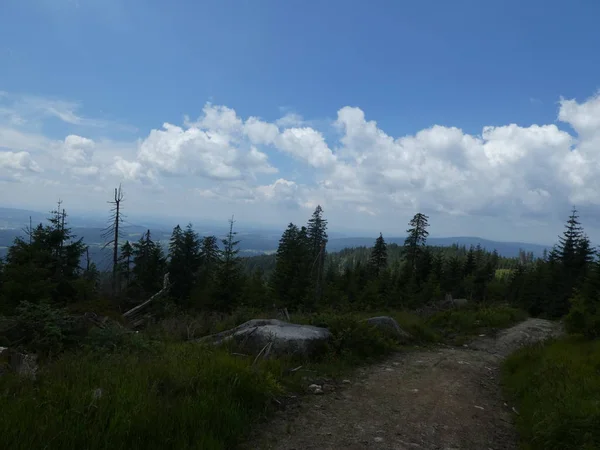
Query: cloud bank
[(285, 165)]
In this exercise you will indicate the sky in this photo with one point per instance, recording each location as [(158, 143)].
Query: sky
[(484, 115)]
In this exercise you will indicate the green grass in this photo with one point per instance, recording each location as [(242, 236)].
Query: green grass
[(556, 388), (164, 395), (159, 391), (180, 396), (460, 325)]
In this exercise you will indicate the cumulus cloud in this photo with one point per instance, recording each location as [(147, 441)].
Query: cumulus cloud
[(503, 171), (18, 161), (307, 145), (506, 169), (131, 170), (221, 146), (77, 150)]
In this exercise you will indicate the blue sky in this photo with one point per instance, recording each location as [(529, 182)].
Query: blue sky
[(106, 73)]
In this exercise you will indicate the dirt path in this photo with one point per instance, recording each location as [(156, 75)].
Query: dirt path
[(442, 398)]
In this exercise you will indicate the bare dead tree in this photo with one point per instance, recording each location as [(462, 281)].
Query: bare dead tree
[(112, 233)]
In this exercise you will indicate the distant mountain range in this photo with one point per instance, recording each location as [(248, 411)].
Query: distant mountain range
[(253, 241)]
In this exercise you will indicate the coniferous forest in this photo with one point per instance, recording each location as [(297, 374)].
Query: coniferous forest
[(48, 266), (50, 290)]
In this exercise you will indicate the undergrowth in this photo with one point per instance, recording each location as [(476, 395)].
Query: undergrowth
[(182, 396), (556, 388), (156, 389), (463, 324)]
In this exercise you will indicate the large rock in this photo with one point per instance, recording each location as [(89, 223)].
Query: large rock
[(528, 332), (390, 326), (285, 338)]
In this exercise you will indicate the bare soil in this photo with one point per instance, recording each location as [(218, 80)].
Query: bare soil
[(440, 398)]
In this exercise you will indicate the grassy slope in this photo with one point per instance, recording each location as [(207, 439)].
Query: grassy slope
[(556, 388), (159, 394)]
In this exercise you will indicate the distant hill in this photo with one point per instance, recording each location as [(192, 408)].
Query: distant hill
[(507, 249), (253, 240)]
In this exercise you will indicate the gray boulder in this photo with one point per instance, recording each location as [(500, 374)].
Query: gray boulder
[(460, 302), (283, 337), (390, 326)]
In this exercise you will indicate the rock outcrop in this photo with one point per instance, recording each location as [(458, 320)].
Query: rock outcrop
[(390, 326), (277, 336)]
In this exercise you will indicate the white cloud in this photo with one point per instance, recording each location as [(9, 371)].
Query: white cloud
[(18, 161), (290, 120), (583, 117), (176, 151), (131, 170), (260, 132), (77, 150), (307, 145), (87, 171), (31, 111), (508, 172), (283, 192)]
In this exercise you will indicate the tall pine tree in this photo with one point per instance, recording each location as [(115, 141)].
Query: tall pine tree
[(416, 239), (378, 259), (46, 265), (317, 238), (184, 262), (149, 266), (293, 258), (229, 277), (125, 262), (572, 257)]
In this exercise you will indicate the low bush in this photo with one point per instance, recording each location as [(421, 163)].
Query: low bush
[(418, 328), (115, 338), (353, 340), (182, 396), (556, 388), (45, 329), (584, 317), (470, 321)]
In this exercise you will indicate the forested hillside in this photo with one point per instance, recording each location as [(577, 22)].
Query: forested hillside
[(49, 287), (49, 264)]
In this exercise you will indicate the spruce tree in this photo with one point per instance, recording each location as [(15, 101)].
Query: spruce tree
[(417, 238), (125, 262), (290, 277), (424, 266), (149, 266), (378, 259), (46, 265), (229, 277), (584, 314), (209, 260), (470, 262), (316, 232), (567, 247), (184, 262), (571, 257)]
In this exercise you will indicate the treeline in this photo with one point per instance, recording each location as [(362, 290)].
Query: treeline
[(350, 257), (49, 265)]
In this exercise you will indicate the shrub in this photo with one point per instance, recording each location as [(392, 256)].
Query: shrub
[(354, 340), (45, 329), (470, 321), (584, 317), (414, 325), (114, 337), (556, 387)]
